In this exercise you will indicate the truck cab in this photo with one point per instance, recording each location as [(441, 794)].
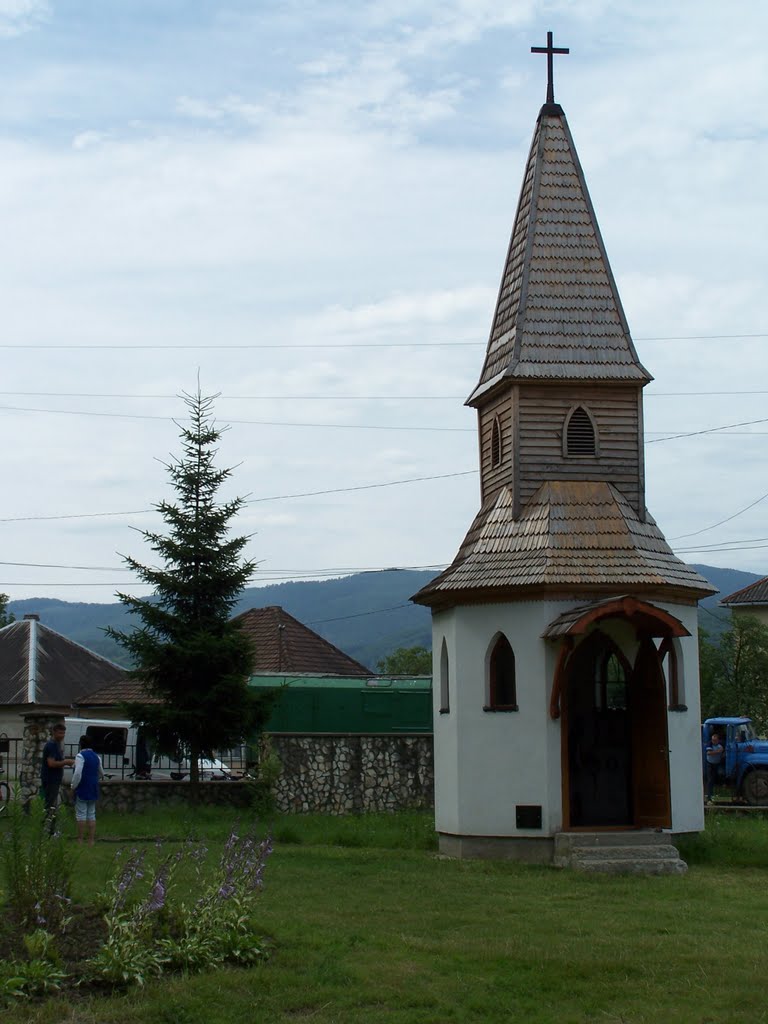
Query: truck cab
[(745, 769)]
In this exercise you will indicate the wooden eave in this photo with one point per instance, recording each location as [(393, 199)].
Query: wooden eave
[(442, 600), (644, 616)]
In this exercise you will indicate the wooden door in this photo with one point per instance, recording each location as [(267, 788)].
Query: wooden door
[(650, 749), (596, 731)]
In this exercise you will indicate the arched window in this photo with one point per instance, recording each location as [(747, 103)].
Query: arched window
[(580, 433), (496, 443), (445, 706), (610, 677), (501, 688)]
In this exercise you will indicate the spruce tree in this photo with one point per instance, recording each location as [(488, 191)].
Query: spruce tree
[(187, 651)]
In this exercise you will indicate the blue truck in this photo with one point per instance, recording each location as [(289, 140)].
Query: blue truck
[(745, 769)]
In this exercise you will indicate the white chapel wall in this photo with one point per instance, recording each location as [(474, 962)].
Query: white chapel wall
[(684, 729), (488, 762)]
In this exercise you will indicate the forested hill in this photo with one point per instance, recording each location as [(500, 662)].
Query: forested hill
[(368, 615)]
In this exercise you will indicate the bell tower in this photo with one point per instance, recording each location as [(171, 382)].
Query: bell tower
[(565, 627)]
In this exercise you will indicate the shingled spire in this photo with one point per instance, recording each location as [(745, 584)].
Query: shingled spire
[(560, 416), (558, 314)]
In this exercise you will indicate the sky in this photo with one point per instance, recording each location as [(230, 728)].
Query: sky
[(307, 205)]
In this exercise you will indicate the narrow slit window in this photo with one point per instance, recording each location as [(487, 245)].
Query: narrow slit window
[(496, 445), (445, 706), (580, 434), (669, 663)]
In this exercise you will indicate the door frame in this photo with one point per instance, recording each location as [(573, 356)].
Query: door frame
[(632, 683)]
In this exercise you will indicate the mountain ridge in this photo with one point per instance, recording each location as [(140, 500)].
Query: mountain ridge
[(367, 615)]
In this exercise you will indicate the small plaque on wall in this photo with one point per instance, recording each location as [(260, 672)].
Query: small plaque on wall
[(528, 816)]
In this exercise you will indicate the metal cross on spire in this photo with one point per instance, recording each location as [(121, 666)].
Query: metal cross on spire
[(549, 49)]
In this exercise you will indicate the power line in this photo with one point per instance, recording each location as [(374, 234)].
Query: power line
[(726, 544), (102, 346), (252, 501), (708, 430), (262, 573), (359, 615), (719, 618), (724, 550), (330, 398), (253, 423), (345, 426), (705, 529), (76, 515), (54, 565)]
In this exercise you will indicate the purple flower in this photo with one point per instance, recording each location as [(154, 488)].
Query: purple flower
[(157, 896)]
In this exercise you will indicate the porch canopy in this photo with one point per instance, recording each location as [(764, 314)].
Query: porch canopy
[(644, 617)]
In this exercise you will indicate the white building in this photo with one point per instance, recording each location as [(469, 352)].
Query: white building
[(565, 630)]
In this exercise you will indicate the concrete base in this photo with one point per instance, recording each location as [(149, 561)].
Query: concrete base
[(526, 849)]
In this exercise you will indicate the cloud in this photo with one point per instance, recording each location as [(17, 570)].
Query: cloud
[(230, 106), (406, 310), (83, 140), (20, 16), (354, 187)]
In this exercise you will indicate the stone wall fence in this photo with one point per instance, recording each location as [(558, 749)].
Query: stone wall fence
[(345, 773), (330, 773), (37, 732)]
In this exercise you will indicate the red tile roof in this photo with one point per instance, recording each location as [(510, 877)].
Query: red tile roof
[(283, 644), (124, 691)]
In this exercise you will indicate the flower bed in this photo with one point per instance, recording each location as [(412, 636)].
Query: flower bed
[(161, 912)]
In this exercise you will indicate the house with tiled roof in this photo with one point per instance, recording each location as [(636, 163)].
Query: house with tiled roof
[(565, 629), (41, 670), (281, 644), (751, 600)]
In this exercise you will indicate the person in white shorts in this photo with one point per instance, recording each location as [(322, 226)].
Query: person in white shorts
[(85, 782)]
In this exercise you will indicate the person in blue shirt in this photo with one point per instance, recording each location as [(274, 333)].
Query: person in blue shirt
[(52, 769), (85, 782), (714, 753)]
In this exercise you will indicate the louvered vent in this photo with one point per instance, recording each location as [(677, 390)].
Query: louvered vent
[(581, 433), (496, 443)]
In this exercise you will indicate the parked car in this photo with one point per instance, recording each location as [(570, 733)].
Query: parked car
[(745, 768), (211, 769)]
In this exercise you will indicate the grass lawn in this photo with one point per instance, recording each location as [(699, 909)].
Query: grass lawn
[(370, 926)]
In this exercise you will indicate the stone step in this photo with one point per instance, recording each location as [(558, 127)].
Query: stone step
[(635, 837), (632, 866), (617, 852), (635, 852)]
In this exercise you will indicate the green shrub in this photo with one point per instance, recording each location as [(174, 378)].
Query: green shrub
[(36, 868), (22, 980)]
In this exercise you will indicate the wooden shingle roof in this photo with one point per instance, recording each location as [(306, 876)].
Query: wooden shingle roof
[(755, 594), (558, 315), (40, 666), (577, 535)]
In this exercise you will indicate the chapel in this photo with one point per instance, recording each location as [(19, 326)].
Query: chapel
[(565, 629)]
